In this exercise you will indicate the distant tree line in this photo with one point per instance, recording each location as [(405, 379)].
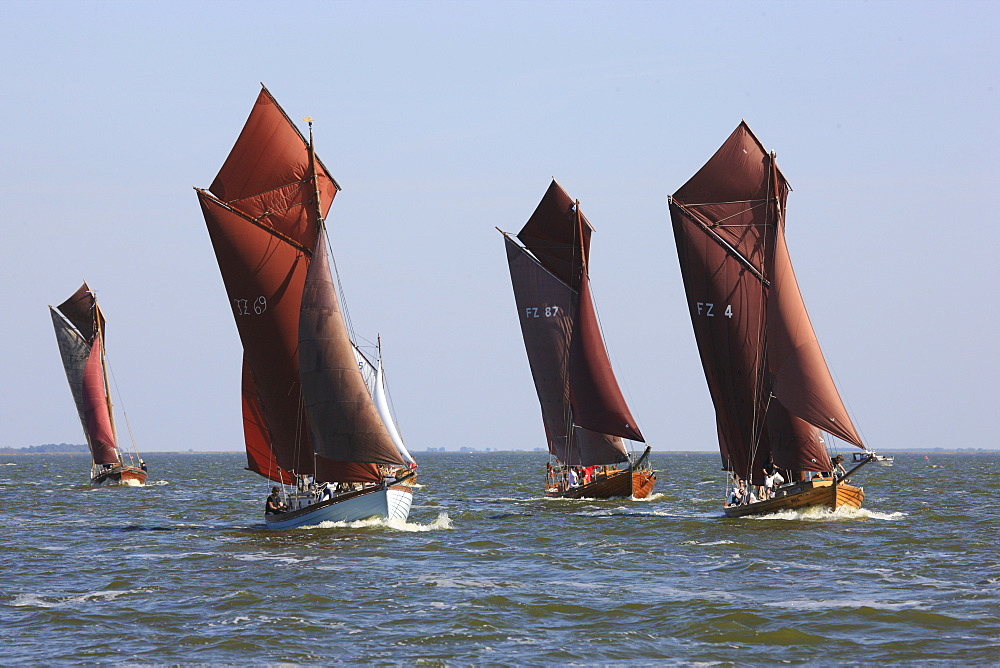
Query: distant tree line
[(48, 448)]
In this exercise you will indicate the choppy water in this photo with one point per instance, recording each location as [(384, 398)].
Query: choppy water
[(487, 572)]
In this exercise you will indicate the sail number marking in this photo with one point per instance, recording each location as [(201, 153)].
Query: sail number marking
[(707, 309), (246, 307), (541, 312)]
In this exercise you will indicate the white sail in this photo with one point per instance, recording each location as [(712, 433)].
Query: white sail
[(382, 406), (367, 371)]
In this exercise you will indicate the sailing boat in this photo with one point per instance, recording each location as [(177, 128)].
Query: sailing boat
[(312, 423), (583, 410), (773, 393), (79, 325)]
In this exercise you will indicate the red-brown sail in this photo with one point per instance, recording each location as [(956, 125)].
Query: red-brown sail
[(96, 412), (598, 404), (771, 388), (260, 456), (343, 423), (263, 221), (583, 410), (264, 216), (264, 276), (80, 347)]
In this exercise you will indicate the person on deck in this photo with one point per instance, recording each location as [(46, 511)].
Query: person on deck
[(837, 464), (274, 504), (772, 482), (573, 480), (736, 493)]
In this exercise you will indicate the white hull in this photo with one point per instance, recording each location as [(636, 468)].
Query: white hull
[(881, 460), (392, 503)]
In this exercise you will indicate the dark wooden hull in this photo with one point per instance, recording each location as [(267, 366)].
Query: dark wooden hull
[(804, 495), (120, 475), (624, 484)]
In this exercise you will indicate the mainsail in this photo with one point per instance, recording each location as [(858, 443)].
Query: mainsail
[(583, 410), (79, 327), (306, 407), (771, 387)]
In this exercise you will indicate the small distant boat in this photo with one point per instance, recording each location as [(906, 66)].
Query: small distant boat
[(315, 417), (774, 396), (583, 411), (79, 325), (881, 460)]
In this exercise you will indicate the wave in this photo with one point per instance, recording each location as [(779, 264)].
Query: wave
[(827, 604), (442, 521), (41, 601), (822, 513), (708, 543)]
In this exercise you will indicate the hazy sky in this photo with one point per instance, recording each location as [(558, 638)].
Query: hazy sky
[(442, 120)]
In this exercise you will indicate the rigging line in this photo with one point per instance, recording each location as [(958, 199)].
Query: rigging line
[(847, 406), (340, 287), (276, 188), (719, 223), (121, 404), (759, 416)]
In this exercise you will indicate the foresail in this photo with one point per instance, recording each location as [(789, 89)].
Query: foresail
[(368, 372), (382, 406), (97, 416), (598, 403), (341, 416), (801, 378)]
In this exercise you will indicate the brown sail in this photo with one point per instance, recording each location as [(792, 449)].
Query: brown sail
[(78, 325), (263, 221), (303, 409), (343, 423), (770, 385), (583, 410)]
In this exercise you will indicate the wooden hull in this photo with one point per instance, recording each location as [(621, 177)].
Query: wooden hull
[(120, 475), (391, 502), (624, 484), (804, 495)]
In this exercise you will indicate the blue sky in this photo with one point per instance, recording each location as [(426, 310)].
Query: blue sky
[(442, 120)]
